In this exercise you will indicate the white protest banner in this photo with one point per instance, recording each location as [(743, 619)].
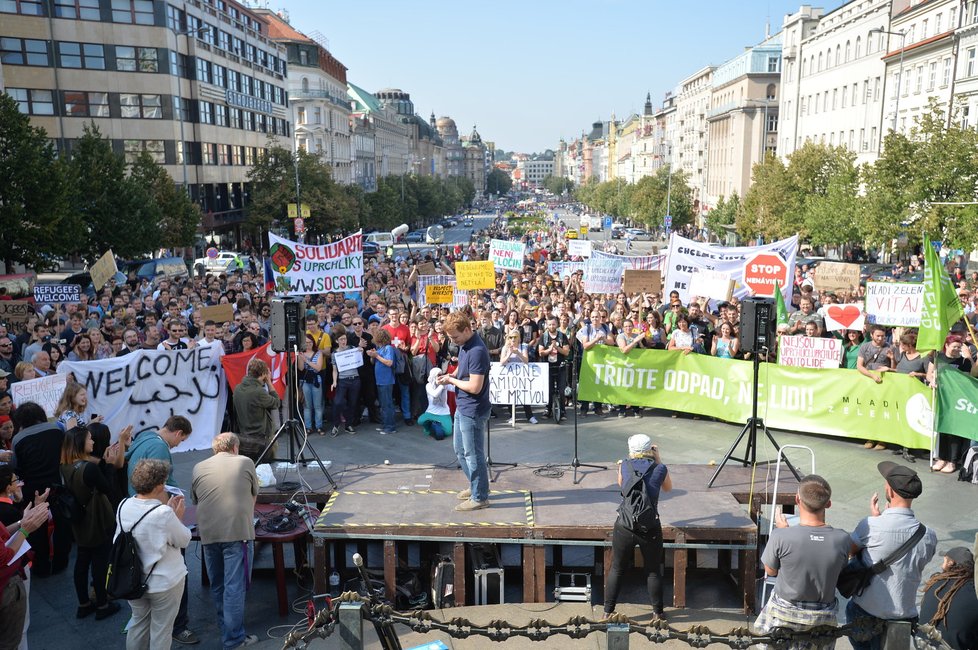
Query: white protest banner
[(711, 284), (809, 352), (579, 247), (519, 383), (302, 269), (603, 275), (148, 386), (564, 270), (44, 391), (843, 317), (894, 303), (57, 293), (687, 256), (635, 262), (461, 297), (507, 255), (348, 359)]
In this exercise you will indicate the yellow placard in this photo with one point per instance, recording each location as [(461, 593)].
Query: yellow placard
[(475, 275), (439, 294), (293, 211)]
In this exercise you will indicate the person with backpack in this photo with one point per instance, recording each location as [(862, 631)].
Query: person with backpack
[(642, 476), (153, 518)]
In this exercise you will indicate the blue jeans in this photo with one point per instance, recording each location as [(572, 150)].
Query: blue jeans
[(385, 395), (229, 567), (405, 390), (312, 406), (469, 439)]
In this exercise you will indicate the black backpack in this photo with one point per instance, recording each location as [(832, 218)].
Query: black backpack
[(125, 577), (638, 511)]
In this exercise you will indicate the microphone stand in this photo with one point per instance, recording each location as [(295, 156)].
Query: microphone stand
[(385, 629)]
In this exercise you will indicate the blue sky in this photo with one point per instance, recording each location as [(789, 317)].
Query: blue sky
[(529, 72)]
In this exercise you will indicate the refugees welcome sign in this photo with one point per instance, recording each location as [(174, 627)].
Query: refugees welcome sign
[(302, 269)]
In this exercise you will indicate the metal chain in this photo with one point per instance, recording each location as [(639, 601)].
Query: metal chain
[(579, 627)]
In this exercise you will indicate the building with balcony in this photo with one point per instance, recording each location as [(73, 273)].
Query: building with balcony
[(363, 138), (966, 70), (317, 95), (533, 171), (425, 147), (475, 160), (198, 85), (693, 96), (392, 147)]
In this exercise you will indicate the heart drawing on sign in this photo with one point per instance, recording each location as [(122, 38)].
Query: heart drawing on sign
[(845, 315)]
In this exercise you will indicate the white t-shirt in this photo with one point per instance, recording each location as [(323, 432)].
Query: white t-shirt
[(437, 399)]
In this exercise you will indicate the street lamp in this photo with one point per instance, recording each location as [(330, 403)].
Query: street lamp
[(899, 89)]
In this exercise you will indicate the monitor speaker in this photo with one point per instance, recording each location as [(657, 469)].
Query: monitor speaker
[(288, 324), (758, 324)]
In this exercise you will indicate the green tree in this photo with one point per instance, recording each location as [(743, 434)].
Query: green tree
[(385, 203), (557, 185), (498, 182), (33, 193), (766, 202), (654, 196), (724, 213), (118, 211), (179, 216), (824, 194)]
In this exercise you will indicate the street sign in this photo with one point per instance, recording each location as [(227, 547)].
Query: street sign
[(583, 228), (607, 223), (763, 272), (211, 253), (667, 221), (294, 212), (300, 225)]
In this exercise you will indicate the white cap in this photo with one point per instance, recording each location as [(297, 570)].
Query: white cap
[(639, 444)]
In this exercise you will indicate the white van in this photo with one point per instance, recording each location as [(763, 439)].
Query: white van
[(382, 239), (434, 235)]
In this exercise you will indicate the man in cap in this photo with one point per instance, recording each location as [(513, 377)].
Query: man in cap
[(891, 595), (950, 603)]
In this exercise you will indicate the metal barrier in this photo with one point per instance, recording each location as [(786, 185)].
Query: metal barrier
[(350, 610)]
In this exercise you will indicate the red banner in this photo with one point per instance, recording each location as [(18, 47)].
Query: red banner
[(236, 366)]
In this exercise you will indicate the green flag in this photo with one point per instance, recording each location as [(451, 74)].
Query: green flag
[(782, 310), (941, 307), (957, 403)]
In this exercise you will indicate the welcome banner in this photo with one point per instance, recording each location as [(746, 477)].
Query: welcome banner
[(148, 386), (687, 256), (837, 402), (302, 269)]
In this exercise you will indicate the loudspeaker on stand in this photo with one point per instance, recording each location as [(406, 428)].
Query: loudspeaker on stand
[(288, 324)]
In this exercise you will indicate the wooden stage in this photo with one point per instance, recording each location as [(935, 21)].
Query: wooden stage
[(396, 503)]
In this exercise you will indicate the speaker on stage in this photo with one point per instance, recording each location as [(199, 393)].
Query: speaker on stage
[(758, 324), (288, 324)]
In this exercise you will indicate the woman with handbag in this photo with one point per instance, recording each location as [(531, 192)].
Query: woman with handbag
[(90, 481), (310, 367), (643, 464)]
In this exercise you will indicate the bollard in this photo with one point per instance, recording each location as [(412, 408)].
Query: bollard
[(351, 626), (898, 635), (618, 637)]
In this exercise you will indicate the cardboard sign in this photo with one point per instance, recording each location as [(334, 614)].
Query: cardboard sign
[(507, 255), (836, 276), (641, 281), (519, 383), (711, 284), (348, 359), (894, 303), (427, 268), (15, 311), (57, 293), (217, 313), (579, 247), (43, 391), (103, 270), (475, 275), (809, 352), (602, 275), (439, 294)]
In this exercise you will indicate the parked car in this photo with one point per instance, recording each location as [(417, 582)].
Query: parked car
[(638, 234), (371, 248), (572, 233), (382, 239), (152, 269), (225, 262), (415, 237), (617, 232)]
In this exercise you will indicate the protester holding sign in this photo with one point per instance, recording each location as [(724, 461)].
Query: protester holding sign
[(949, 446), (346, 383), (514, 352)]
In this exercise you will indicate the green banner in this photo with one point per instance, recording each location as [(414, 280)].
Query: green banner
[(957, 403), (838, 402)]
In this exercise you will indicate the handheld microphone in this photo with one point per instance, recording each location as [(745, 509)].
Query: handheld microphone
[(364, 579)]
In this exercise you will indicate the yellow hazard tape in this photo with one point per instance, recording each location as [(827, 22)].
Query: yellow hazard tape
[(329, 504), (528, 502)]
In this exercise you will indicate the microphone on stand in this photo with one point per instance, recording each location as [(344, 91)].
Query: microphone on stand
[(364, 578)]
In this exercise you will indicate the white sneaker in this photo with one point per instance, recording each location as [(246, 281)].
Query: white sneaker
[(533, 420)]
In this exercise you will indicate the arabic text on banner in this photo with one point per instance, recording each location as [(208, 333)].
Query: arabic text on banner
[(302, 269)]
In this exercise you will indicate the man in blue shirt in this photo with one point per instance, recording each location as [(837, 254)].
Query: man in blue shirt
[(471, 381)]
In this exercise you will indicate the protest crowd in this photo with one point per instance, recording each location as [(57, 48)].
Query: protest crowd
[(544, 309)]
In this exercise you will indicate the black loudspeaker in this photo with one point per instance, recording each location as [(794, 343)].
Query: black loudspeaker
[(288, 324), (758, 324)]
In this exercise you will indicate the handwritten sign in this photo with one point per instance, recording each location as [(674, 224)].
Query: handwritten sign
[(809, 352), (519, 383), (103, 270), (507, 255), (475, 275), (636, 281), (461, 297), (426, 268), (57, 293), (439, 294), (15, 311), (706, 283), (836, 276), (894, 303), (579, 247), (217, 313), (602, 275), (348, 359), (43, 391), (564, 270)]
